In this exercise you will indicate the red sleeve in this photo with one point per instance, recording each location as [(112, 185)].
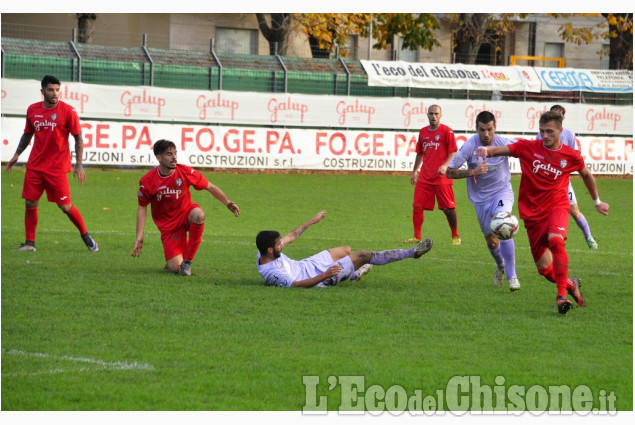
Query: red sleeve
[(143, 196), (73, 122), (451, 141), (195, 178), (28, 127)]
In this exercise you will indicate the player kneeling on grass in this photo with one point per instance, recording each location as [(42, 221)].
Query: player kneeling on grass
[(166, 188), (325, 268)]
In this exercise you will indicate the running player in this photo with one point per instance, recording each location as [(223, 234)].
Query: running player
[(568, 138), (543, 203), (326, 268), (436, 146), (166, 188), (490, 191), (51, 121)]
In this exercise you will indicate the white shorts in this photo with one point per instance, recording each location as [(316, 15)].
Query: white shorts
[(484, 212), (572, 199), (323, 260)]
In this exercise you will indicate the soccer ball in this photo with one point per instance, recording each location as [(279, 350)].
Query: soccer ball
[(504, 225)]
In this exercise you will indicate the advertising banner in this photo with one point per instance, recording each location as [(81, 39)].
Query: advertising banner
[(130, 144)]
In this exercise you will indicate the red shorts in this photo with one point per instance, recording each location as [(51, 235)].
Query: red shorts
[(55, 184), (175, 240), (426, 193), (538, 231)]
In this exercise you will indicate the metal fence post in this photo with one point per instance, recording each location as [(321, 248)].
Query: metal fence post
[(79, 58), (285, 72), (145, 50), (348, 77), (220, 67)]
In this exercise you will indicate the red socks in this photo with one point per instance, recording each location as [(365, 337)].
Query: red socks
[(194, 240), (76, 218), (30, 223), (417, 221)]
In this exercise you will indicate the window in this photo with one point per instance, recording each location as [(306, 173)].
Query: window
[(606, 50), (553, 50), (230, 40), (406, 55)]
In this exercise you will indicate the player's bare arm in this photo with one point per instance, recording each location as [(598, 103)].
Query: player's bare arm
[(22, 145), (79, 155), (334, 270), (489, 151), (295, 233), (589, 182), (443, 168), (142, 214), (415, 169), (457, 173), (220, 195)]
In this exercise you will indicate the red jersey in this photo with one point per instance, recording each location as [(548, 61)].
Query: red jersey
[(51, 127), (545, 177), (169, 196), (434, 147)]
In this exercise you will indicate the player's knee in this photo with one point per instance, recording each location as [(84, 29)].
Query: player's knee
[(556, 243), (364, 256), (347, 250), (65, 207), (197, 216)]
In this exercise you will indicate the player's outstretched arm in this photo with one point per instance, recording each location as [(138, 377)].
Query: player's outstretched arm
[(457, 173), (22, 144), (220, 195), (589, 182), (295, 233), (142, 214), (489, 151)]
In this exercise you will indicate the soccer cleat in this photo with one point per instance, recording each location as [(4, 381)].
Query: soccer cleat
[(592, 243), (412, 240), (364, 269), (564, 304), (90, 242), (186, 268), (514, 284), (27, 246), (499, 275), (456, 240), (574, 291), (423, 247)]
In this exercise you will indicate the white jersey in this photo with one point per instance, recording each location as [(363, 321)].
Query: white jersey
[(283, 271), (488, 185)]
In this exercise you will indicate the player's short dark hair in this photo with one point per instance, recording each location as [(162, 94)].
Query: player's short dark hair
[(162, 145), (558, 108), (484, 117), (49, 79), (549, 116), (266, 239)]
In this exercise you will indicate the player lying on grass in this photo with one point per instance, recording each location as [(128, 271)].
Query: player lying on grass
[(326, 268)]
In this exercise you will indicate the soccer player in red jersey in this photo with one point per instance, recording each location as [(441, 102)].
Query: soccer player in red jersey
[(51, 121), (435, 149), (543, 203), (166, 188)]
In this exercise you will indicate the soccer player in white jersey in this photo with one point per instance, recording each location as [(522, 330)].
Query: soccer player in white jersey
[(567, 137), (490, 191), (326, 268)]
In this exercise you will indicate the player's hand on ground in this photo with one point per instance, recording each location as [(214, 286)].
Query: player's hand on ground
[(79, 173), (603, 208), (233, 208), (138, 248), (334, 270)]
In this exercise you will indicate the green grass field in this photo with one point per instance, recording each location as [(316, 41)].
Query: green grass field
[(105, 331)]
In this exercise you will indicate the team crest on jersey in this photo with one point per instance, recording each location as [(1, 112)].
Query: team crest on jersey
[(436, 137), (563, 163), (179, 182), (54, 117)]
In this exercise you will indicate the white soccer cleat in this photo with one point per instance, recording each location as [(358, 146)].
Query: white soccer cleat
[(423, 247), (499, 276), (364, 269), (592, 243), (514, 284)]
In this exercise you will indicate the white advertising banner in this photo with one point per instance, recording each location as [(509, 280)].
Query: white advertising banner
[(595, 80), (130, 144), (451, 76), (155, 104)]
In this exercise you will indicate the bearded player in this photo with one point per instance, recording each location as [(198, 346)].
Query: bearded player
[(166, 188), (543, 203), (51, 121)]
